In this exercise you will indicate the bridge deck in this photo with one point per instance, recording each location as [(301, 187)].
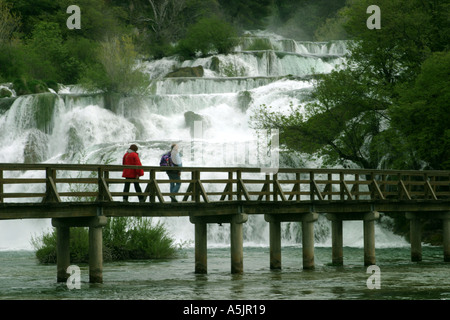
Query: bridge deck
[(60, 190)]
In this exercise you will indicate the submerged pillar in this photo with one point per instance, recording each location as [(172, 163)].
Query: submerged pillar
[(446, 239), (337, 243), (200, 248), (62, 253), (415, 236), (308, 239), (237, 243), (95, 255), (275, 245), (369, 237)]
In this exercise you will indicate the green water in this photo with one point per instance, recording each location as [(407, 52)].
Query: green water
[(21, 277)]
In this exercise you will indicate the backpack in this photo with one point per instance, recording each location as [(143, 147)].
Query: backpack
[(166, 160)]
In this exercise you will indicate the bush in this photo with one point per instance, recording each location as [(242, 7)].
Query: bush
[(124, 238), (208, 36)]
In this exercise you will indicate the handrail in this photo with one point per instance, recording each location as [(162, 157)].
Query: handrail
[(233, 183)]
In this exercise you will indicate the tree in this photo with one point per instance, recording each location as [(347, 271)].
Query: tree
[(46, 52), (341, 124), (422, 114), (248, 14), (208, 35), (9, 22), (350, 116), (116, 71)]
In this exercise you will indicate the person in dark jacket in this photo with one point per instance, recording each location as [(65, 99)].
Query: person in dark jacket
[(131, 158), (175, 175)]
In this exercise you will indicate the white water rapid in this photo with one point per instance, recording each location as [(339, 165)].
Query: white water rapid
[(72, 127)]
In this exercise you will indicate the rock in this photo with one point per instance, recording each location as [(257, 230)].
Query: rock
[(36, 147), (215, 64), (5, 93), (196, 72), (190, 117), (244, 100)]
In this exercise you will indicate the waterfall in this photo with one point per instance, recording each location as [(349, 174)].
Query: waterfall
[(75, 127)]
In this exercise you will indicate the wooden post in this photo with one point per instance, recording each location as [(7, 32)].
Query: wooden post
[(308, 243), (275, 245), (95, 255), (201, 248), (369, 238), (237, 242), (62, 253), (446, 239), (1, 186), (337, 243), (415, 234)]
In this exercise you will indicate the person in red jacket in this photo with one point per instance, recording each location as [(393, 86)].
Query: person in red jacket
[(131, 158)]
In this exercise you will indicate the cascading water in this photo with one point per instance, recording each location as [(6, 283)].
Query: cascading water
[(70, 127)]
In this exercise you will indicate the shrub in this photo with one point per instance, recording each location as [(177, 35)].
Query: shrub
[(207, 36), (124, 238)]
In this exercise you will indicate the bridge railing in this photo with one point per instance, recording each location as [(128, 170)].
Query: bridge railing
[(67, 182)]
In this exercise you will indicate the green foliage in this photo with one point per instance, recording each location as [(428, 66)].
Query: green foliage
[(115, 70), (208, 35), (422, 114), (124, 238), (387, 75), (249, 14), (340, 125)]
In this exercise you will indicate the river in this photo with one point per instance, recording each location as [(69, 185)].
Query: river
[(22, 277)]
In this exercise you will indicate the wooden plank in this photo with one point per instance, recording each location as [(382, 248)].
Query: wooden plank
[(52, 193), (279, 190), (403, 191), (377, 189), (316, 190), (105, 192), (346, 190), (243, 189), (157, 192), (202, 191), (429, 189)]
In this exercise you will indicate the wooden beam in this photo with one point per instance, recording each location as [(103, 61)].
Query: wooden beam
[(377, 189), (403, 191), (429, 190)]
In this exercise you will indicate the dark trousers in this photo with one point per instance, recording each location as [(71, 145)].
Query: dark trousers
[(174, 186), (137, 187)]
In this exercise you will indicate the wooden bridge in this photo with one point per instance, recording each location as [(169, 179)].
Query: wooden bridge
[(86, 195)]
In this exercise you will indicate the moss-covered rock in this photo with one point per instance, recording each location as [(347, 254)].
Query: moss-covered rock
[(197, 72), (5, 93), (23, 87)]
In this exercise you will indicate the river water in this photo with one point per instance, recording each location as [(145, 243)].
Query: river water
[(22, 277)]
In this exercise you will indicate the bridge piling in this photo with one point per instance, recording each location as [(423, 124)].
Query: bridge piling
[(368, 219), (95, 225), (275, 245), (307, 219), (236, 240), (201, 253), (446, 237), (415, 237), (337, 252), (95, 254), (62, 253)]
